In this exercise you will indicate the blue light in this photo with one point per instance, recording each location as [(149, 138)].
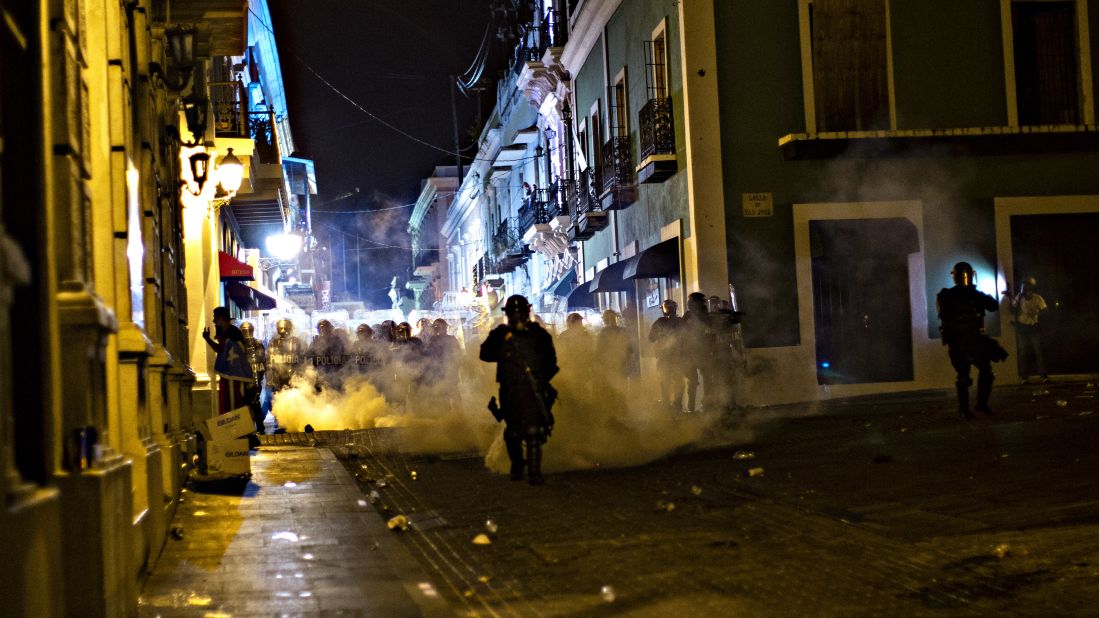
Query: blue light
[(826, 364)]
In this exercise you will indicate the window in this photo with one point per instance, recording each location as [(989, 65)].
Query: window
[(846, 60), (620, 113), (1044, 50), (596, 124), (582, 140), (657, 58)]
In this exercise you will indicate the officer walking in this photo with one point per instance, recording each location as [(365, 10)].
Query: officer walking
[(525, 362), (962, 311)]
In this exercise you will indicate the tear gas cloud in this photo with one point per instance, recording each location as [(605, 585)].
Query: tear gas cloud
[(439, 404)]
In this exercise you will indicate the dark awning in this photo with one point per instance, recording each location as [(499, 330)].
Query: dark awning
[(233, 269), (249, 298), (581, 296), (610, 279), (659, 260), (565, 286)]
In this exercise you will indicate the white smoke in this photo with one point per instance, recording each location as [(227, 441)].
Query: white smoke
[(600, 421)]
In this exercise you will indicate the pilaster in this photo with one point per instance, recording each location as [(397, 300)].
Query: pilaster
[(705, 252)]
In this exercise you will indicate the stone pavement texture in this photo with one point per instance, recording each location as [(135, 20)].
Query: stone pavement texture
[(866, 507), (876, 506), (299, 540)]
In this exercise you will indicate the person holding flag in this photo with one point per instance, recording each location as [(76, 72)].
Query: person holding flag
[(231, 364)]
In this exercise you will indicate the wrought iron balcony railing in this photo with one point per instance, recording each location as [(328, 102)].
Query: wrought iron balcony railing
[(261, 128), (230, 109), (617, 164), (535, 40), (584, 198), (656, 128)]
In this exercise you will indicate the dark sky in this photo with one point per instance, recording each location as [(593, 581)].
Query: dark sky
[(394, 59)]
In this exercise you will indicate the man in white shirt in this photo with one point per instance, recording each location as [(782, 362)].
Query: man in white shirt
[(1028, 305)]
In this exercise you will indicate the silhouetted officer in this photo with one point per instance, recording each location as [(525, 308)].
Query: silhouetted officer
[(525, 362), (665, 336), (962, 311), (327, 354)]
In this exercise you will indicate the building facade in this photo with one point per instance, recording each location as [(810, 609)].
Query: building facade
[(830, 159), (117, 204)]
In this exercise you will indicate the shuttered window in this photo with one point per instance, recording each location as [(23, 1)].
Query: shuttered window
[(850, 64), (1046, 69)]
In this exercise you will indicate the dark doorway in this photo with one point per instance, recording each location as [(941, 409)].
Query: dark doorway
[(1061, 252), (861, 312)]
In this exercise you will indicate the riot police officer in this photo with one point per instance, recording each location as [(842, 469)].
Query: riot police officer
[(962, 311), (364, 351), (327, 354), (664, 335), (284, 356), (525, 362), (257, 358)]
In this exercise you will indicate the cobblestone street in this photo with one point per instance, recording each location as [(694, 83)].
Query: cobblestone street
[(871, 506)]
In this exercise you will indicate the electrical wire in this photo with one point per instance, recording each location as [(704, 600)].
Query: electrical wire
[(362, 109)]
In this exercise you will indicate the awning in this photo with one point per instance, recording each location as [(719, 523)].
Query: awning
[(659, 260), (565, 286), (580, 296), (233, 269), (610, 279), (249, 298)]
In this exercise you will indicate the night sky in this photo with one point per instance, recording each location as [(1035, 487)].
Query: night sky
[(394, 59)]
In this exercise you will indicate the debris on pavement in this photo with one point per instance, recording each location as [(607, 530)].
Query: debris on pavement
[(177, 533), (482, 539), (1061, 403), (413, 475), (1086, 413), (753, 472), (491, 526), (398, 523), (696, 490), (744, 455), (607, 592), (380, 483), (1001, 551), (373, 496)]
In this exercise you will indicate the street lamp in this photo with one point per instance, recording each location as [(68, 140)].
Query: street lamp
[(200, 167), (230, 172), (284, 246), (195, 111), (181, 45)]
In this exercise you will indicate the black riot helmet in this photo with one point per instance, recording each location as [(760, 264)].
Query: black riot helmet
[(517, 308), (962, 274)]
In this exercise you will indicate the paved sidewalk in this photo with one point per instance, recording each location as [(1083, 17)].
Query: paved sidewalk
[(300, 540)]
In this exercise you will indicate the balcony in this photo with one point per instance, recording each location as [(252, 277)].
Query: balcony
[(509, 250), (657, 141), (585, 209), (619, 188)]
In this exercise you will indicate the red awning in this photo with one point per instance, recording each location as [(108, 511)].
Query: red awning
[(233, 269), (249, 298)]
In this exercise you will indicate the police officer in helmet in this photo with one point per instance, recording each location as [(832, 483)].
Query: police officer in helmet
[(962, 311), (525, 362)]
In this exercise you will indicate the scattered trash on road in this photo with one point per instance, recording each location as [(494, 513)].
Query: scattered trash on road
[(607, 592), (744, 455), (1086, 413), (1061, 403), (482, 539), (373, 496), (1001, 551), (696, 490), (413, 475), (484, 579), (380, 483), (177, 533), (754, 472), (491, 526), (398, 523)]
